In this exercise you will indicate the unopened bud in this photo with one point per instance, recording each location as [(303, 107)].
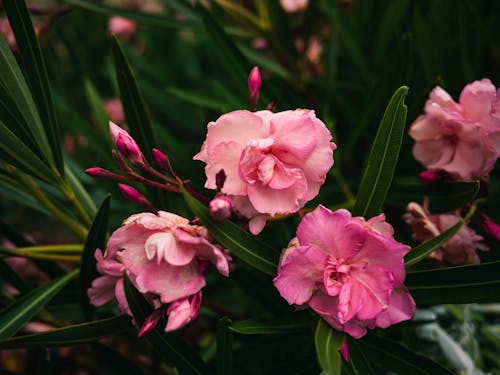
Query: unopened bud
[(162, 161), (134, 196), (490, 227), (220, 208), (103, 173), (429, 176), (122, 27), (126, 144), (270, 106), (254, 82), (150, 322), (344, 350)]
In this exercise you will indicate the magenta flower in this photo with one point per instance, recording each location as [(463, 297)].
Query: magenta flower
[(461, 139), (274, 162), (122, 27), (350, 271), (165, 258), (460, 249)]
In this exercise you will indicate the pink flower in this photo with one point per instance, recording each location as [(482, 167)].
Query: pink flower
[(165, 258), (122, 27), (274, 162), (114, 109), (291, 6), (460, 249), (7, 33), (461, 139), (350, 271)]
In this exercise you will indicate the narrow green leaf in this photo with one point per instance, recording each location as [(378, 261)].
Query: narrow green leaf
[(169, 347), (70, 335), (15, 152), (358, 363), (271, 326), (36, 73), (241, 244), (383, 157), (224, 347), (96, 239), (399, 359), (18, 313), (136, 113), (8, 275), (478, 283), (113, 362), (97, 108), (81, 193), (328, 343)]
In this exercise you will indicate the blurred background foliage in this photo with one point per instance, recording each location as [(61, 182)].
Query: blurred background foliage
[(343, 59)]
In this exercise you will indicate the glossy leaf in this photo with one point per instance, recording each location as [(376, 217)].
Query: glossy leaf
[(478, 283), (271, 326), (383, 157), (70, 335), (169, 347), (18, 313), (241, 244), (399, 359), (224, 347), (96, 239), (36, 74), (328, 343)]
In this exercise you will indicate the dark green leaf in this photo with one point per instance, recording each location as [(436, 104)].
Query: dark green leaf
[(170, 347), (399, 359), (80, 192), (328, 343), (70, 335), (112, 362), (358, 363), (478, 283), (18, 313), (271, 326), (383, 157), (241, 244), (36, 73), (8, 275), (96, 239), (97, 108), (224, 347)]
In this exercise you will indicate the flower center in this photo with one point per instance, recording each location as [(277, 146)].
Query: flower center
[(335, 275)]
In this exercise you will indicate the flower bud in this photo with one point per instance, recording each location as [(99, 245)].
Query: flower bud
[(126, 144), (429, 176), (150, 322), (254, 82), (122, 27), (114, 109), (220, 208), (134, 196), (162, 161), (103, 173), (491, 227), (344, 350)]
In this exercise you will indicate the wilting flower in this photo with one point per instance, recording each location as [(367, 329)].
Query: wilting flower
[(350, 271), (274, 162), (460, 249), (122, 27), (461, 139), (165, 258), (291, 6)]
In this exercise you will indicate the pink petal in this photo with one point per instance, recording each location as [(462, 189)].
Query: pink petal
[(476, 100), (102, 290), (257, 223), (381, 226), (298, 276), (182, 311), (121, 298), (401, 307), (164, 246)]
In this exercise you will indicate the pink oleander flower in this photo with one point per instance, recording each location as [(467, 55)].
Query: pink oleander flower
[(114, 109), (292, 6), (460, 249), (165, 258), (122, 27), (461, 139), (274, 162), (350, 271)]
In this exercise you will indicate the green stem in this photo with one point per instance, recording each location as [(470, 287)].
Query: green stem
[(42, 256), (68, 248)]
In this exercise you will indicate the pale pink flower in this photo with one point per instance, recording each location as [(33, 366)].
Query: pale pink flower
[(114, 109), (460, 249), (165, 258), (461, 139), (122, 27), (350, 271), (274, 162), (292, 6)]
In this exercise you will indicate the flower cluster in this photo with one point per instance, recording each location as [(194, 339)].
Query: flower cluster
[(165, 258), (274, 162), (459, 139)]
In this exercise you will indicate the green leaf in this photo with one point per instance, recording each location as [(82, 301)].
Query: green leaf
[(271, 326), (224, 347), (8, 275), (97, 108), (399, 359), (96, 239), (36, 73), (379, 170), (243, 245), (15, 152), (358, 363), (80, 192), (136, 114), (478, 283), (18, 313), (328, 343), (70, 335), (169, 347)]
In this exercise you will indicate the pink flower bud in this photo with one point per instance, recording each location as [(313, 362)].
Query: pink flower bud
[(150, 322), (114, 109), (491, 227), (344, 350), (254, 81), (103, 173), (126, 144), (122, 27), (134, 196), (429, 176), (162, 161), (220, 208)]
